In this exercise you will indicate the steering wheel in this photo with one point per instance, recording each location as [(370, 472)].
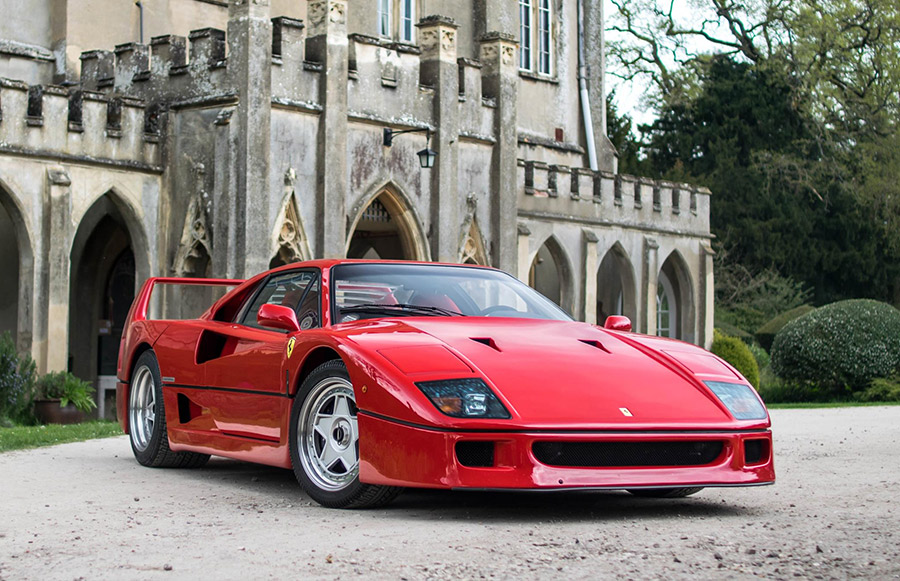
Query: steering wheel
[(490, 311)]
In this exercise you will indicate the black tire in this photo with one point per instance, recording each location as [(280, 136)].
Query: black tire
[(326, 461), (664, 492), (147, 420)]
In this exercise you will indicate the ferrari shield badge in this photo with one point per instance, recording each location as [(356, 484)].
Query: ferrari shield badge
[(290, 347)]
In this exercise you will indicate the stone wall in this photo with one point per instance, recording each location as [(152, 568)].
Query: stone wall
[(229, 149)]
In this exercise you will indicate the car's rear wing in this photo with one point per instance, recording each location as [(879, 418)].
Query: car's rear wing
[(141, 303)]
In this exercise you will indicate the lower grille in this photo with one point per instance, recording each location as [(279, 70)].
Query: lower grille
[(475, 454), (623, 454)]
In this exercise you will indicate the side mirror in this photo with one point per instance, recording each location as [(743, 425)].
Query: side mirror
[(617, 323), (278, 317)]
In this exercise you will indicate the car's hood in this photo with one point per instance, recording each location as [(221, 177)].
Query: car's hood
[(555, 373)]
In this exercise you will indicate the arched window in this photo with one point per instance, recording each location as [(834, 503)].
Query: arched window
[(666, 308)]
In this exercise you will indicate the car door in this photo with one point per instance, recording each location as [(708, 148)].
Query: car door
[(249, 372)]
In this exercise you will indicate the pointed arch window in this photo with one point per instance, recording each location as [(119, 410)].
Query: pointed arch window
[(666, 308)]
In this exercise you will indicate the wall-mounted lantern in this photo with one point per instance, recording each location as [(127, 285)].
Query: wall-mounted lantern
[(426, 156)]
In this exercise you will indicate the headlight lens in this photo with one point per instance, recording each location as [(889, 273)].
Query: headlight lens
[(740, 400), (464, 398)]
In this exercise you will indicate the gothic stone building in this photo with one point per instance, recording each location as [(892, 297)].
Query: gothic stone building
[(249, 133)]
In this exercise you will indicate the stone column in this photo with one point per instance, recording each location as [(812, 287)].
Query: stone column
[(706, 310), (437, 38), (500, 82), (225, 221), (523, 264), (327, 44), (249, 71), (650, 282), (591, 264), (58, 242), (496, 15)]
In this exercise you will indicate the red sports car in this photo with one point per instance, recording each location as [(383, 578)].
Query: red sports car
[(365, 377)]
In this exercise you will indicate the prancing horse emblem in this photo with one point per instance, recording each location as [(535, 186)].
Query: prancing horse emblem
[(625, 411), (290, 347)]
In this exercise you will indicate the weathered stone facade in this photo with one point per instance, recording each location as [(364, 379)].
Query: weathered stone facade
[(261, 143)]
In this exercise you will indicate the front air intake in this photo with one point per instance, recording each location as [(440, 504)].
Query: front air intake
[(626, 454), (475, 454)]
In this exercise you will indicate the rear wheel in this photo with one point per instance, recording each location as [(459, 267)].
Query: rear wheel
[(147, 420), (325, 442), (664, 492)]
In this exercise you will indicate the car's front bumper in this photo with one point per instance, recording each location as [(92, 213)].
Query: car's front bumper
[(399, 454)]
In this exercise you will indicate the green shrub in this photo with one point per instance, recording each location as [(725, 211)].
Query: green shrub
[(766, 334), (67, 388), (16, 382), (840, 346), (761, 356), (775, 390), (881, 389), (736, 352)]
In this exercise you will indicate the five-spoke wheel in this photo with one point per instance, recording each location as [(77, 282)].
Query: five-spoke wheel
[(147, 420), (325, 442)]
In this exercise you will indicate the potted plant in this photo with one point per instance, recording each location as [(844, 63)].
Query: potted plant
[(62, 398)]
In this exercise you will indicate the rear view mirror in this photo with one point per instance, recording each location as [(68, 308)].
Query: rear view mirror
[(278, 317), (617, 323)]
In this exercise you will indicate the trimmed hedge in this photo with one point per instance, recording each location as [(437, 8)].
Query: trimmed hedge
[(766, 334), (844, 345), (736, 352)]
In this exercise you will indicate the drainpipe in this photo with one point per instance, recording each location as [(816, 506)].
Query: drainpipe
[(583, 90), (140, 6)]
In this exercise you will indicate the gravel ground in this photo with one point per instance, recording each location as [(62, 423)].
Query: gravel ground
[(88, 511)]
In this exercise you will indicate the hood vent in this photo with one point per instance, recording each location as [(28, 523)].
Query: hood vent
[(595, 343), (486, 341)]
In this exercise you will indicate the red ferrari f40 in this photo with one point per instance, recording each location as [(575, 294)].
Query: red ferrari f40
[(365, 377)]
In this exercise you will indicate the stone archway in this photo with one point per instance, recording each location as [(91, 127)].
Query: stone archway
[(387, 229), (616, 294), (675, 311), (103, 277), (550, 274), (17, 266)]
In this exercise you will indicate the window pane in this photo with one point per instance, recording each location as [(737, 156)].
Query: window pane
[(384, 17), (544, 37), (525, 34), (407, 18), (467, 291), (285, 289)]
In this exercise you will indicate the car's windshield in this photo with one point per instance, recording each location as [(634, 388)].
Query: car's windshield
[(370, 290)]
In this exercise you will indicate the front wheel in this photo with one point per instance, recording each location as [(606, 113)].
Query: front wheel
[(324, 442), (665, 492), (147, 420)]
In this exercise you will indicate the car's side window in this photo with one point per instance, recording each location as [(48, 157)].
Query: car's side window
[(291, 289), (308, 311)]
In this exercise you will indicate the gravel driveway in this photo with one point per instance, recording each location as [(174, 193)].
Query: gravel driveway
[(87, 510)]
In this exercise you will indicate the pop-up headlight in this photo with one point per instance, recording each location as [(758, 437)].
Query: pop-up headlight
[(464, 398), (740, 400)]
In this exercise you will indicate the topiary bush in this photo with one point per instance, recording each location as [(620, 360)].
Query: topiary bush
[(766, 334), (736, 352), (841, 346)]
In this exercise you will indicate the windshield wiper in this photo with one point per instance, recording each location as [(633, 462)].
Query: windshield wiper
[(401, 307)]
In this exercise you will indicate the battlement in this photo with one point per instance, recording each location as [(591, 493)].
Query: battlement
[(615, 199), (76, 124)]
